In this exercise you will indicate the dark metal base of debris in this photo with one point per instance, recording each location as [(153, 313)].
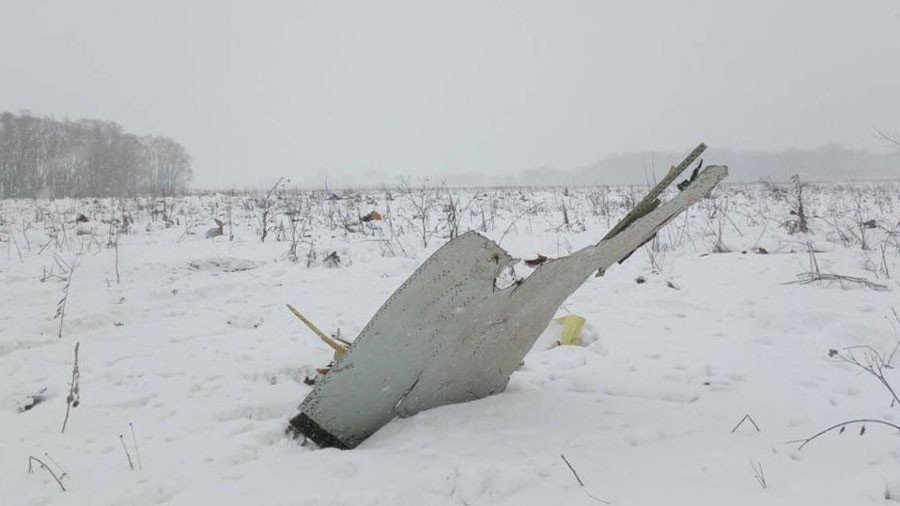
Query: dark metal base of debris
[(306, 426)]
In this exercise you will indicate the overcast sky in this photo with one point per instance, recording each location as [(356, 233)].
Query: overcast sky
[(375, 89)]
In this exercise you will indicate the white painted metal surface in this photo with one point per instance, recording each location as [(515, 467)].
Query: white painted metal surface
[(449, 335)]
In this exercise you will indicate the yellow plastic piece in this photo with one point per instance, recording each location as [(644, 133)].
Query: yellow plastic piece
[(571, 332)]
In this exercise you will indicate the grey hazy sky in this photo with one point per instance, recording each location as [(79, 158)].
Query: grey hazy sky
[(374, 89)]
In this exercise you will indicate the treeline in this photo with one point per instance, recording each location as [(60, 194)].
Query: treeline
[(831, 162), (46, 157)]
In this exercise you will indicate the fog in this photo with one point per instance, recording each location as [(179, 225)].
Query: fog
[(368, 91)]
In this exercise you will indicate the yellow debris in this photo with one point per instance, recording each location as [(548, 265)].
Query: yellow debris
[(571, 331)]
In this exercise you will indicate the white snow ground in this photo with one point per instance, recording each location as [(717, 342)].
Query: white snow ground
[(195, 348)]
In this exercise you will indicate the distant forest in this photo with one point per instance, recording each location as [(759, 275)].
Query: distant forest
[(831, 162), (46, 157)]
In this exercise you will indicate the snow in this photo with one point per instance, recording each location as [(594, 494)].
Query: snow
[(195, 350)]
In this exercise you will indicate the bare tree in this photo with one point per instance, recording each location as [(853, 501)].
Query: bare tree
[(266, 206), (891, 139)]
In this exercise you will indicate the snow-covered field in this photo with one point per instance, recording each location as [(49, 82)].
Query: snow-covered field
[(187, 341)]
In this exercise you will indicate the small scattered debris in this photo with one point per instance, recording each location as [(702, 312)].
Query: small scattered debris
[(373, 216), (571, 331), (33, 400), (537, 261), (217, 230), (339, 349), (335, 342), (761, 251), (672, 285), (332, 260)]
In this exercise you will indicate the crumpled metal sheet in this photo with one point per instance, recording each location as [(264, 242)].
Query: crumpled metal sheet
[(448, 335)]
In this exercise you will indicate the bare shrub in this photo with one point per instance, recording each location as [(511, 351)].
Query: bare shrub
[(74, 397), (263, 208), (795, 199), (66, 271), (874, 363), (422, 200)]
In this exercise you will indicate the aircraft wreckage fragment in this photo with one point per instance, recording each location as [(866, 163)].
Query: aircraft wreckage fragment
[(449, 334)]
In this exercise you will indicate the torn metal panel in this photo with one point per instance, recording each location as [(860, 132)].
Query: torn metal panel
[(365, 387), (449, 335), (649, 202)]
